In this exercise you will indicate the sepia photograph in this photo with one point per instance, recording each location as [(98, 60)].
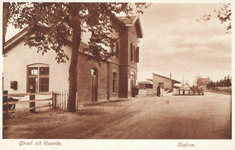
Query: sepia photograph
[(117, 75)]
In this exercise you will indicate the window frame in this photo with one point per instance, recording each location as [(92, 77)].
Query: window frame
[(114, 83), (131, 52), (39, 77)]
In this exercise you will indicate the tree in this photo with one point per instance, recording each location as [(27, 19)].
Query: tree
[(227, 81), (224, 14), (6, 15), (197, 79), (210, 85), (55, 25)]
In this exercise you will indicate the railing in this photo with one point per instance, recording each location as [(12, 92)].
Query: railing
[(10, 100), (57, 100)]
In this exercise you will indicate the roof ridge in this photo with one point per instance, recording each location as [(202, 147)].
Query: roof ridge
[(165, 77)]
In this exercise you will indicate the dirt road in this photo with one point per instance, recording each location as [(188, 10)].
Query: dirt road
[(167, 117)]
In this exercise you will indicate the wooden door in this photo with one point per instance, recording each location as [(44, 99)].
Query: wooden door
[(94, 88)]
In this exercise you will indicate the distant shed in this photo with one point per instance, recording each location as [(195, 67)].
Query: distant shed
[(165, 82), (145, 85)]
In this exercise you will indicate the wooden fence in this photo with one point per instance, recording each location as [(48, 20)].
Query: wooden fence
[(10, 101), (57, 100), (60, 100)]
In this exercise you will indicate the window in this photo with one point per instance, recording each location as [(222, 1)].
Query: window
[(132, 75), (131, 53), (93, 72), (137, 54), (44, 84), (38, 78), (115, 49), (33, 71), (114, 82), (134, 53), (134, 58), (44, 70)]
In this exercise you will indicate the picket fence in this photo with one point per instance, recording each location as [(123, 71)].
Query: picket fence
[(60, 100)]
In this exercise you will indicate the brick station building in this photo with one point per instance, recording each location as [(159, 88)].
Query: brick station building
[(24, 68)]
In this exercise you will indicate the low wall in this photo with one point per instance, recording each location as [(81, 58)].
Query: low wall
[(187, 92), (151, 92)]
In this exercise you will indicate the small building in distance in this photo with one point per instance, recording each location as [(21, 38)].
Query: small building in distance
[(201, 82), (143, 85), (165, 82)]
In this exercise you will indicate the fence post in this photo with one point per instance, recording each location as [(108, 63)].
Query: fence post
[(31, 104), (5, 107), (53, 100)]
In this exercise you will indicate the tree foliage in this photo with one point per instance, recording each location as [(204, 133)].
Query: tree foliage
[(224, 14), (226, 82), (196, 79), (52, 26)]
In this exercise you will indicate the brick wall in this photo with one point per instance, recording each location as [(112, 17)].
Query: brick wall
[(84, 85), (123, 82), (113, 68)]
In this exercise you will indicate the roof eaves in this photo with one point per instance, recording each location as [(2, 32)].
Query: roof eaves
[(165, 77), (15, 38), (133, 21), (141, 31)]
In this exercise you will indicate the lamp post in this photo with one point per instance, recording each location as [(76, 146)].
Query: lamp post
[(183, 76), (183, 79)]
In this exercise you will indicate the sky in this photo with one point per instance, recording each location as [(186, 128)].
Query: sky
[(175, 43)]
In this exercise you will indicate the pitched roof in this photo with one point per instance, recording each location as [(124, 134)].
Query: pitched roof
[(203, 80), (166, 78), (14, 39), (133, 20), (19, 36), (129, 21)]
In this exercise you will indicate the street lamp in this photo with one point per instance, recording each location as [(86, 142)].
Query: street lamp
[(183, 77)]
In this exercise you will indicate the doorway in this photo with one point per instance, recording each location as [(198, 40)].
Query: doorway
[(132, 84), (94, 84)]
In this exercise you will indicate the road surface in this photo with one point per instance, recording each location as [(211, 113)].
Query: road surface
[(167, 117)]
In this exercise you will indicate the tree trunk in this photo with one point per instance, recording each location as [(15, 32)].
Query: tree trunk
[(6, 8), (74, 62)]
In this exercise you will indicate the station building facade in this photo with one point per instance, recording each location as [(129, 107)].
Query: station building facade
[(24, 68)]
